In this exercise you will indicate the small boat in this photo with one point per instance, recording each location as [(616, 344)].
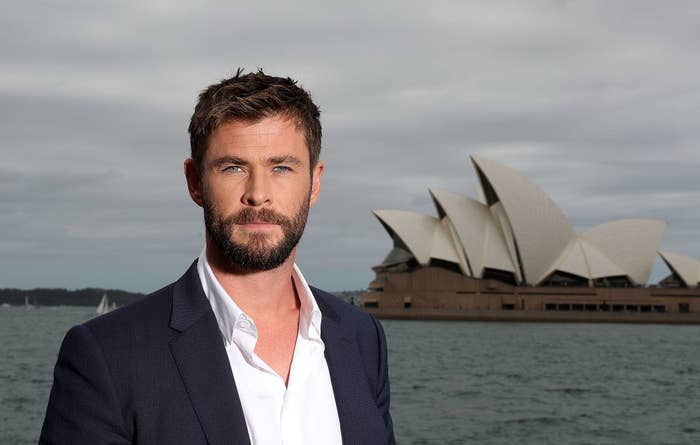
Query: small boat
[(104, 306), (26, 303)]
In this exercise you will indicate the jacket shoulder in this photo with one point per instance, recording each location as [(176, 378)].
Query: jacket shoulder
[(370, 341), (353, 321), (149, 312), (337, 307)]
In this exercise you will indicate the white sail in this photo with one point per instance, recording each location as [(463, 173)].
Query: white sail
[(103, 307)]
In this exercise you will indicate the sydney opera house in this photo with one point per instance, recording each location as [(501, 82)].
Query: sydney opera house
[(513, 255)]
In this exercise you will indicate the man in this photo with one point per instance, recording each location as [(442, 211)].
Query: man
[(240, 349)]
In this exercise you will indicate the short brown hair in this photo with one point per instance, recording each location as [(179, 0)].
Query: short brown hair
[(251, 97)]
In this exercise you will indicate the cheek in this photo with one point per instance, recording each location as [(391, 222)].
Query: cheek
[(220, 193), (298, 197)]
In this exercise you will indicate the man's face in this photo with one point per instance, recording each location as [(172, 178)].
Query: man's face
[(256, 190)]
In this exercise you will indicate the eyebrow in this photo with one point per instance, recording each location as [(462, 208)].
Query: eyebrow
[(229, 160), (288, 159), (275, 160)]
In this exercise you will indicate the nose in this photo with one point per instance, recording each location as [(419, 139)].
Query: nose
[(256, 191)]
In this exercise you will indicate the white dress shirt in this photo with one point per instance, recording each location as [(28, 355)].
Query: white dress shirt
[(304, 411)]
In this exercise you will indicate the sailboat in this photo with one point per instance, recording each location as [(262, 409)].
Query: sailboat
[(104, 306), (26, 303)]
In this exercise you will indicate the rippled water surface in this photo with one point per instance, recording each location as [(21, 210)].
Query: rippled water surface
[(29, 342), (457, 382), (515, 383)]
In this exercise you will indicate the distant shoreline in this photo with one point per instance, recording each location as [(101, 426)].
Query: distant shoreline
[(65, 297)]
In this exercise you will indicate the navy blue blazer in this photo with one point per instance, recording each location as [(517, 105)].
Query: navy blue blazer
[(156, 372)]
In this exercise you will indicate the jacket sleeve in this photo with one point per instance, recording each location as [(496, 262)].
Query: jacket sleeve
[(83, 406), (382, 396)]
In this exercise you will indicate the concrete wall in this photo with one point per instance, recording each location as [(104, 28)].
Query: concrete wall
[(433, 289)]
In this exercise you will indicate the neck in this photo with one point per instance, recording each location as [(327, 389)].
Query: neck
[(260, 294)]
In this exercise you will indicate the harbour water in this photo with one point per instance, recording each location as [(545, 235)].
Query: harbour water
[(457, 382)]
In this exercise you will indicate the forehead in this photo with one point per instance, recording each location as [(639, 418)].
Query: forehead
[(270, 136)]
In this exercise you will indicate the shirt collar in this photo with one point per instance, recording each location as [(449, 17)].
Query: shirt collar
[(309, 314), (228, 314)]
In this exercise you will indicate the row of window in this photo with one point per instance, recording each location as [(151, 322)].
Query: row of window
[(580, 307)]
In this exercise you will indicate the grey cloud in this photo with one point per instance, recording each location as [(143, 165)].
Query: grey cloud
[(594, 101)]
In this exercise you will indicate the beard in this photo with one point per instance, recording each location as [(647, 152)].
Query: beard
[(258, 253)]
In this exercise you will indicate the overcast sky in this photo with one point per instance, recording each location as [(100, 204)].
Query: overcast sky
[(595, 101)]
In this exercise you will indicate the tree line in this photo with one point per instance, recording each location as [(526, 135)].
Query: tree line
[(58, 297)]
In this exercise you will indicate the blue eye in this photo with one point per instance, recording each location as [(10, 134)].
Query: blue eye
[(233, 168), (282, 169)]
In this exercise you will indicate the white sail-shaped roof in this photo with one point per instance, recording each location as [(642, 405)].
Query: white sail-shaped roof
[(687, 268), (540, 229), (478, 234), (443, 247), (424, 235), (459, 249), (414, 229), (520, 230), (599, 264), (582, 259), (630, 243), (501, 252), (572, 260)]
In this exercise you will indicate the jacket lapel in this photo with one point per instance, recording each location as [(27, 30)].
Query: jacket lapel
[(203, 364), (347, 377)]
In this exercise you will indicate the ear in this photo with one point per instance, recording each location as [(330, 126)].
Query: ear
[(316, 175), (194, 180)]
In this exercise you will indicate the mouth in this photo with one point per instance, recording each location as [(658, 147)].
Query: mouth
[(256, 226)]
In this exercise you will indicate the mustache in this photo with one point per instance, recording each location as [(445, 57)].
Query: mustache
[(248, 216)]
